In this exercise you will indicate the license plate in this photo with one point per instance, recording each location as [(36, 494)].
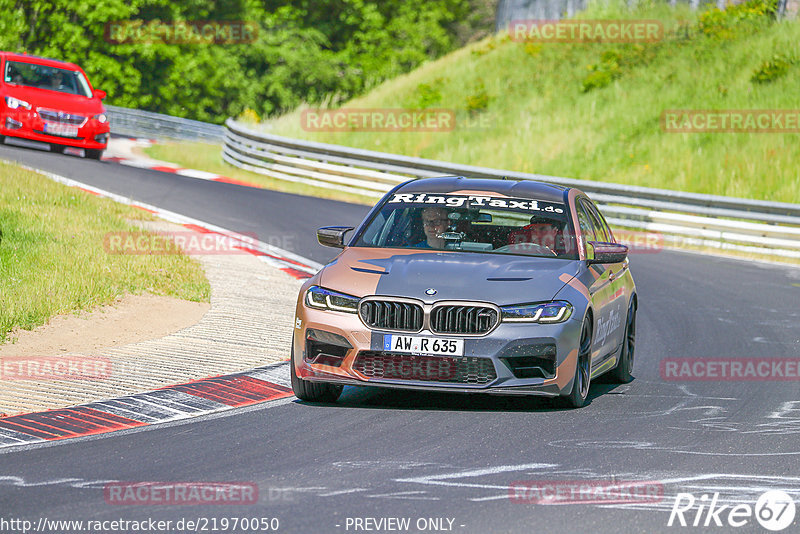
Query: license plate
[(423, 345), (65, 130)]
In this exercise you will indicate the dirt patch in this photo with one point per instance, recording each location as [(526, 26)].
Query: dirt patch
[(131, 319)]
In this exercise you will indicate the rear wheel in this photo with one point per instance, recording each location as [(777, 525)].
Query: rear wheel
[(622, 372), (58, 149), (93, 153), (313, 391), (580, 384)]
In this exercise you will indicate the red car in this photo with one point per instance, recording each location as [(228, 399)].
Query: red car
[(53, 102)]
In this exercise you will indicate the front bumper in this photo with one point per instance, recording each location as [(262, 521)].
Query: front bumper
[(501, 348), (27, 124)]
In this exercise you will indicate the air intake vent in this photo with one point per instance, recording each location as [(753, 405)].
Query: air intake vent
[(392, 315), (63, 118), (465, 370), (463, 319)]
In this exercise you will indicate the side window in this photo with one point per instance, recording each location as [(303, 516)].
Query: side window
[(394, 229), (372, 235), (600, 230), (607, 228), (586, 224)]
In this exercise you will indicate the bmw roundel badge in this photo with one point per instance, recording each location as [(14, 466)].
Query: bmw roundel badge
[(430, 291)]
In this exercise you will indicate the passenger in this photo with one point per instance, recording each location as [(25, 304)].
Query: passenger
[(539, 234), (544, 233), (14, 76)]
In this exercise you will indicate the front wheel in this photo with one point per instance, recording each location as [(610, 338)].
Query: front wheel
[(580, 384), (93, 153), (622, 372), (313, 391)]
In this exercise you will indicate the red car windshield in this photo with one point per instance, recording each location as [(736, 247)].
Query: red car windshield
[(44, 77)]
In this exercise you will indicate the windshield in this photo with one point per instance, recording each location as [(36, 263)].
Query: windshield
[(44, 77), (481, 223)]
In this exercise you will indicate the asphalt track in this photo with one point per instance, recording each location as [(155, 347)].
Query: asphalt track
[(385, 454)]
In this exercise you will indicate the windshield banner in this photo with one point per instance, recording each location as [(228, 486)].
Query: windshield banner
[(476, 201)]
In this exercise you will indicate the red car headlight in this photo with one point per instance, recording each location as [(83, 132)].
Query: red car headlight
[(16, 103)]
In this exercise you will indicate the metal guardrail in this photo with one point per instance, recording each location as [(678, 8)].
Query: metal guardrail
[(510, 10), (683, 219), (138, 123)]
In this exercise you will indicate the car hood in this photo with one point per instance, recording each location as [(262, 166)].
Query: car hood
[(501, 279), (75, 104)]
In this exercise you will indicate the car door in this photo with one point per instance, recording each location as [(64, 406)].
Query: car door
[(596, 279), (618, 296)]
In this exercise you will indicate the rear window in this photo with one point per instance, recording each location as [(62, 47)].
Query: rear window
[(486, 224), (48, 78)]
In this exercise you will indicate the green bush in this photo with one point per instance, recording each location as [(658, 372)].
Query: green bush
[(603, 73), (427, 95), (249, 116), (479, 100), (772, 69), (737, 19), (597, 80)]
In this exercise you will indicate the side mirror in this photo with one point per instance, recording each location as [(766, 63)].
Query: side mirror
[(332, 236), (605, 252), (100, 94)]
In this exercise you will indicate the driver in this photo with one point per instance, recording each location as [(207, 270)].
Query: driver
[(434, 223), (56, 80)]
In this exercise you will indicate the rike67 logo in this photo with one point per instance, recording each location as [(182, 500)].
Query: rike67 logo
[(774, 510)]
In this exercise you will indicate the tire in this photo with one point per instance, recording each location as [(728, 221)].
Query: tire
[(580, 384), (622, 372), (313, 391), (57, 149), (93, 153)]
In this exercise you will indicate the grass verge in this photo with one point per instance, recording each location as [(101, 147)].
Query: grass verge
[(52, 259)]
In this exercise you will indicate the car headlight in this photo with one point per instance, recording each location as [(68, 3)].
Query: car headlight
[(14, 103), (325, 299), (100, 117), (556, 311)]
